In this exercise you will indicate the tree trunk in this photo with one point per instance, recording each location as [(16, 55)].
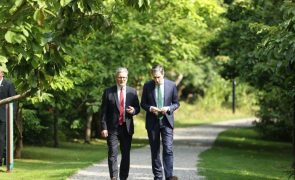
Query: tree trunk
[(234, 96), (19, 132), (179, 79), (180, 89), (88, 128), (55, 128)]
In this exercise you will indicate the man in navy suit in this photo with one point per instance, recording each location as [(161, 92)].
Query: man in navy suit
[(119, 104), (159, 100), (6, 90)]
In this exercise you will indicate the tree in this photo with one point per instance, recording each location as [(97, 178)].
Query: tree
[(34, 35), (276, 47), (257, 44)]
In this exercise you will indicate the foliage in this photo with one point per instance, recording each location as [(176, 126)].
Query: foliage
[(137, 41), (256, 47), (156, 36), (220, 95), (34, 35), (33, 128), (35, 38)]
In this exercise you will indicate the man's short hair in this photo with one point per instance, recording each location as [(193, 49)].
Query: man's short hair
[(157, 68), (121, 70)]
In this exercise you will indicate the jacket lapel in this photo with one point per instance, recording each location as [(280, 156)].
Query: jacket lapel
[(154, 92), (165, 92), (115, 94), (2, 88)]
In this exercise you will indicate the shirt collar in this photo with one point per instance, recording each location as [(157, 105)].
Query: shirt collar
[(119, 87)]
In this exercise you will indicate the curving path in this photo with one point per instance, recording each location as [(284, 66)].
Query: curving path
[(188, 144)]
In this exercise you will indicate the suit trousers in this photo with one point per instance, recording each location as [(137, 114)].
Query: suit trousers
[(166, 132), (123, 138), (2, 140)]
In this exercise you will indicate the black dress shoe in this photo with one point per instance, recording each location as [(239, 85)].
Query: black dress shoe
[(172, 178)]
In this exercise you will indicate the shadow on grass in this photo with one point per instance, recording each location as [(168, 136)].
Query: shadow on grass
[(248, 139), (231, 174), (240, 153)]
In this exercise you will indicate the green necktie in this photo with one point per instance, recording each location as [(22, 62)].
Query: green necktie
[(160, 101)]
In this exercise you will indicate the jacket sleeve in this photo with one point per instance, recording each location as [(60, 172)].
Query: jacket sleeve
[(136, 104), (175, 103), (144, 101)]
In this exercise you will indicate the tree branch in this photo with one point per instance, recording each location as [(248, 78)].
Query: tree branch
[(179, 79), (16, 97)]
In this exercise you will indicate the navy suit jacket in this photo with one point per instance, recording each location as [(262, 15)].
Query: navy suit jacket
[(148, 99), (110, 109), (6, 90)]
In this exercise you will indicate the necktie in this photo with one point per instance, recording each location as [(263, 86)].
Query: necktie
[(121, 115), (160, 101)]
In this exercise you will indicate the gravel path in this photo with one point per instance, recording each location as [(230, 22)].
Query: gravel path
[(188, 144)]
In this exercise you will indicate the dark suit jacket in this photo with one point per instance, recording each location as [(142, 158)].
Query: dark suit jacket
[(6, 90), (110, 109), (148, 99)]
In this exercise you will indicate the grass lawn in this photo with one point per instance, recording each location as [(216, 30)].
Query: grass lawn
[(240, 153), (192, 115), (57, 163)]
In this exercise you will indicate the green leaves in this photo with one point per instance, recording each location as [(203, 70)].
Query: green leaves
[(13, 37), (63, 3), (138, 4), (17, 4), (3, 61), (39, 16), (260, 43)]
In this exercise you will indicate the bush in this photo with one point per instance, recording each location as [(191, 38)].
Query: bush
[(276, 115), (33, 130)]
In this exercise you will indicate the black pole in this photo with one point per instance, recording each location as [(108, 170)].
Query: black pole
[(234, 96), (293, 165)]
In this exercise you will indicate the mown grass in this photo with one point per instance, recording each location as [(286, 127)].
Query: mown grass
[(240, 153), (57, 163)]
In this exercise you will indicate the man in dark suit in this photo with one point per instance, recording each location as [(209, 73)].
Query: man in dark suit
[(119, 104), (6, 90), (159, 100)]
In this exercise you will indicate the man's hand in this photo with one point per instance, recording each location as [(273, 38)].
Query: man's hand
[(155, 110), (104, 133), (164, 110), (130, 110)]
